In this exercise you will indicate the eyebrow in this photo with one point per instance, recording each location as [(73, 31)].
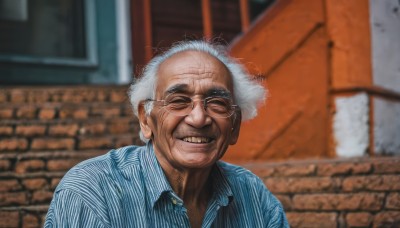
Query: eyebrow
[(219, 92), (214, 91), (178, 88)]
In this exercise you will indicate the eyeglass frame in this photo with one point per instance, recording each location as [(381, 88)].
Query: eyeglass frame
[(203, 101)]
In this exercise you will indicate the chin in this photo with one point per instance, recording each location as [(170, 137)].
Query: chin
[(197, 163)]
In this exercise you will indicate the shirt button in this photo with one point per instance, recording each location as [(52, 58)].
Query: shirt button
[(174, 201)]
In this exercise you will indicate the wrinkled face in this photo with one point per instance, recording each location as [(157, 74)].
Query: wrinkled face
[(196, 140)]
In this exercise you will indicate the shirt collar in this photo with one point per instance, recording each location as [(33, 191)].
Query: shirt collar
[(221, 188), (157, 183)]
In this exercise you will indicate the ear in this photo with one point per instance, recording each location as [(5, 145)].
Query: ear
[(237, 120), (143, 117)]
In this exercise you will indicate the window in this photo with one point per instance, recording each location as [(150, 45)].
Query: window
[(58, 42)]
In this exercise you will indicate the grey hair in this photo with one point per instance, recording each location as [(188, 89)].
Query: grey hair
[(248, 94)]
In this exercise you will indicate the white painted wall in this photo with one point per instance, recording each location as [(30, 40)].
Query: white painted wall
[(385, 34), (350, 125), (386, 126)]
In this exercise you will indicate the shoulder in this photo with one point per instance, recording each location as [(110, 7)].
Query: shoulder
[(242, 179), (91, 186), (96, 171), (238, 173), (248, 187)]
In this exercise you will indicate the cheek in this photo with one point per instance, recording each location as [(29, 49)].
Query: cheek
[(163, 123)]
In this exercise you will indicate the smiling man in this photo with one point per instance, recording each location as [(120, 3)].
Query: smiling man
[(190, 102)]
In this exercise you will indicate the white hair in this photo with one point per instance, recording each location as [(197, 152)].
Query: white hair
[(248, 94)]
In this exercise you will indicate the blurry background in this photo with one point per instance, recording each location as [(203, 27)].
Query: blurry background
[(327, 141)]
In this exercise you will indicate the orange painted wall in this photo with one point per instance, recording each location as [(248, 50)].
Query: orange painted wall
[(303, 50)]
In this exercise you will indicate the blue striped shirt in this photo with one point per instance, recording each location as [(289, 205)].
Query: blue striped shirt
[(127, 188)]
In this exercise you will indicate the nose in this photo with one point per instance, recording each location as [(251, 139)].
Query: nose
[(198, 117)]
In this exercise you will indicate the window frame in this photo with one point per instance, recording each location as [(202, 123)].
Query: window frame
[(91, 59)]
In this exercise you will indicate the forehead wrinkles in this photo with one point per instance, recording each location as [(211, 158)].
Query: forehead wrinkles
[(196, 63), (190, 67)]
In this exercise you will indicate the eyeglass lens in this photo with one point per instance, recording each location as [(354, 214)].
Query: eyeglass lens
[(180, 105)]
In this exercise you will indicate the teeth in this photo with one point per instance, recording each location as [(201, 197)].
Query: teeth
[(196, 139)]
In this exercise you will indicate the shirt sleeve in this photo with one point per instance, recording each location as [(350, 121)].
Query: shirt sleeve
[(274, 215), (277, 217), (67, 209)]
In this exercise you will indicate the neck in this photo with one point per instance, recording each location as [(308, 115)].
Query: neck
[(192, 186)]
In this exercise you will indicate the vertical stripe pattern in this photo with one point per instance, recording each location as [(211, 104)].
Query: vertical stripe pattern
[(127, 188)]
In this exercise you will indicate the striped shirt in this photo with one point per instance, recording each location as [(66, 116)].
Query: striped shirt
[(127, 188)]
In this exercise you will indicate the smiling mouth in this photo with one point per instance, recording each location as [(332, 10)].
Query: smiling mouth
[(197, 139)]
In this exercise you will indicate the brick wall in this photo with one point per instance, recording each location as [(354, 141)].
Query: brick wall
[(336, 193), (46, 130)]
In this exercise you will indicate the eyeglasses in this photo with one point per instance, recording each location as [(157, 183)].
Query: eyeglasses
[(181, 105)]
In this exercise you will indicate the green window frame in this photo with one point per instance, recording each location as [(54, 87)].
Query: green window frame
[(99, 66)]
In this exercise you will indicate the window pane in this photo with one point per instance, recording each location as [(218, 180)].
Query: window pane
[(42, 28)]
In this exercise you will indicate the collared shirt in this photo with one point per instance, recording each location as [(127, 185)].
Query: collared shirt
[(127, 188)]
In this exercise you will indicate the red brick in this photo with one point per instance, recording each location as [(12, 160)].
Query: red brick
[(362, 168), (102, 95), (316, 220), (393, 201), (118, 96), (6, 130), (29, 165), (43, 218), (261, 171), (356, 201), (374, 183), (54, 183), (55, 96), (13, 198), (106, 111), (17, 96), (295, 170), (72, 97), (30, 220), (335, 169), (9, 185), (5, 165), (30, 130), (119, 126), (61, 165), (387, 219), (92, 129), (63, 130), (6, 113), (387, 166), (88, 95), (127, 111), (10, 144), (95, 143), (359, 219), (124, 141), (302, 185), (53, 144), (47, 113), (285, 200), (38, 96), (73, 113), (26, 112), (9, 219), (42, 197), (34, 184), (3, 96)]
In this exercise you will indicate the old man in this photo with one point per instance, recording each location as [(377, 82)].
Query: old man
[(190, 102)]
